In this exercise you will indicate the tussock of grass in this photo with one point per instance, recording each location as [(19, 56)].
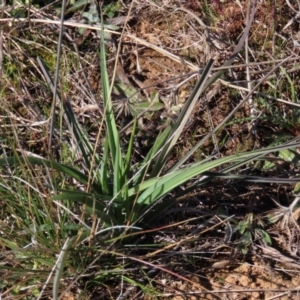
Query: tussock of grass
[(163, 157)]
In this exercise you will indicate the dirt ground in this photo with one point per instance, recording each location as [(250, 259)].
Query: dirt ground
[(246, 281)]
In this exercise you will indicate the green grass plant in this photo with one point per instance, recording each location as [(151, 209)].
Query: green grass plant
[(61, 212)]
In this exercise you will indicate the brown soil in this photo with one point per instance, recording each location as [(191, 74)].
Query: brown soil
[(251, 282)]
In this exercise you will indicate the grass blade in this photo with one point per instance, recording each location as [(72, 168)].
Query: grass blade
[(16, 160), (155, 188), (112, 131), (60, 265), (180, 123)]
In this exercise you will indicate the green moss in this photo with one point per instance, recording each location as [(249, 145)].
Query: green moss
[(66, 155), (10, 69), (111, 9)]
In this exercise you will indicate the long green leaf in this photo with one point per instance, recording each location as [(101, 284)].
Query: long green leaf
[(81, 138), (112, 131), (181, 121), (60, 265), (250, 178), (127, 167), (155, 188), (84, 197), (151, 156), (292, 85), (113, 135), (104, 176), (17, 161), (208, 176)]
